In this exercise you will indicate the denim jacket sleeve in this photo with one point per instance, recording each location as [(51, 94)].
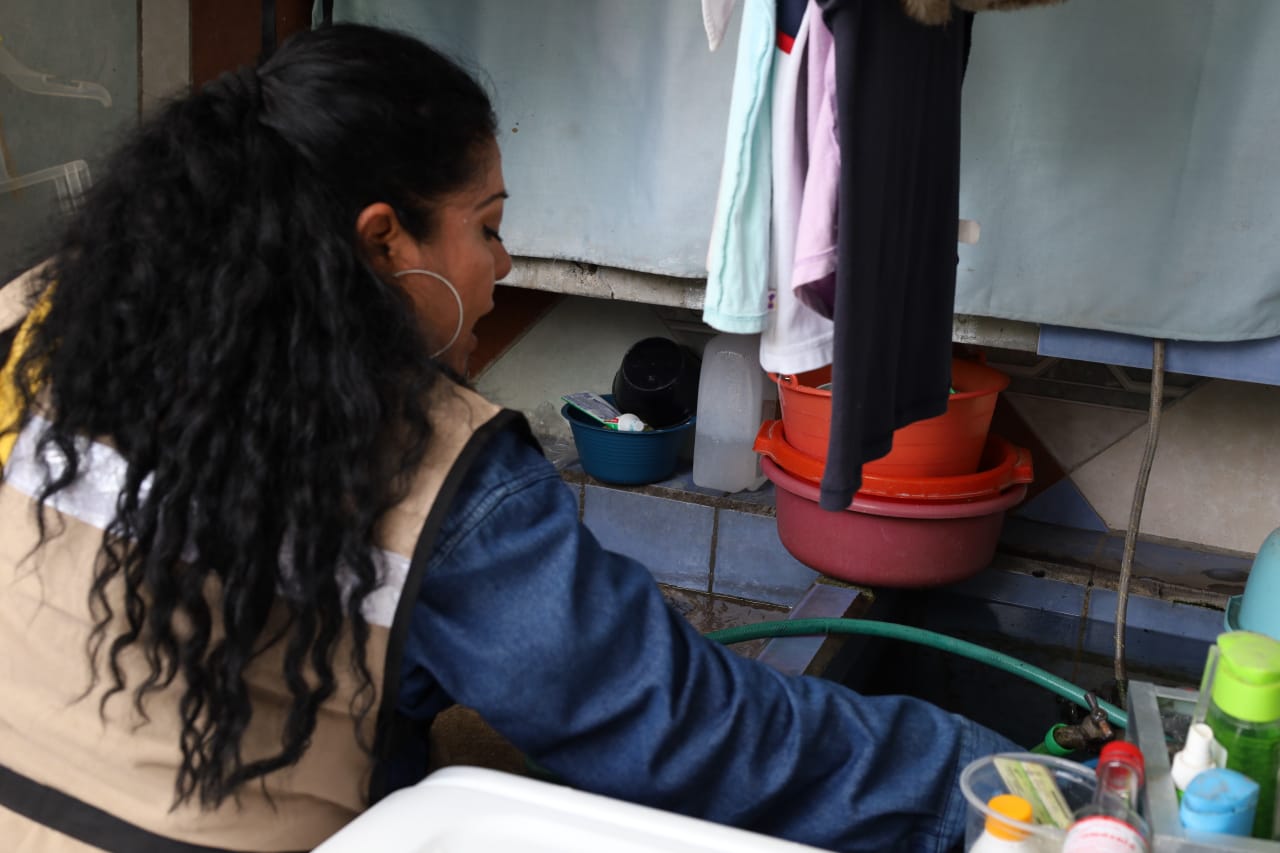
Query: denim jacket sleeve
[(571, 653)]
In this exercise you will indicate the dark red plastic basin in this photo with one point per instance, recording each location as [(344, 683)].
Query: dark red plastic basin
[(887, 542)]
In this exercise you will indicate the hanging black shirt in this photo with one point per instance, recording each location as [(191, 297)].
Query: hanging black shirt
[(898, 101)]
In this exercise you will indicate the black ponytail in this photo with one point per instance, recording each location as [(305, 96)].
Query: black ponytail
[(212, 317)]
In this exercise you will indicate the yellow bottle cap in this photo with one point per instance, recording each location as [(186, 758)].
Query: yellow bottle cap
[(1013, 807)]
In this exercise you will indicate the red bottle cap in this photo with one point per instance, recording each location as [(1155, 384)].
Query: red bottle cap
[(1122, 750)]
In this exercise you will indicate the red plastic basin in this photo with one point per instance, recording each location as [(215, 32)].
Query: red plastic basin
[(947, 445), (886, 542), (1003, 465)]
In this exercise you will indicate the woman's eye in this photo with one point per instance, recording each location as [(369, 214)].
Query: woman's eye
[(492, 234)]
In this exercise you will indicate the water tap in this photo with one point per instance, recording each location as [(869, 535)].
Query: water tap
[(1090, 733)]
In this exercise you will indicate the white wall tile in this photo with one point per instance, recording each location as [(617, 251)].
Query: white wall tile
[(1216, 476), (1074, 432)]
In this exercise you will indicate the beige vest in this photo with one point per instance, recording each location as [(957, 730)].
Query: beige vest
[(126, 767)]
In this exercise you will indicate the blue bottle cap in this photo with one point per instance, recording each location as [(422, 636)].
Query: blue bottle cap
[(1219, 800)]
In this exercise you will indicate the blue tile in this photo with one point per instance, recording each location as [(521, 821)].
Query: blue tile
[(1052, 541), (752, 563), (1159, 635), (1020, 590), (1152, 614), (682, 481), (1225, 573), (997, 604), (1062, 504), (763, 496), (671, 538)]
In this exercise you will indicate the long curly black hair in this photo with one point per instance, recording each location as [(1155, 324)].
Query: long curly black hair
[(212, 316)]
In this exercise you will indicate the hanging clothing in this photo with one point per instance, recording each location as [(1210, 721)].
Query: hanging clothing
[(813, 272), (1148, 218), (715, 20), (898, 103), (736, 298), (795, 338), (611, 119)]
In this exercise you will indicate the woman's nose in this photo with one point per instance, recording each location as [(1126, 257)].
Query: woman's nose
[(501, 263)]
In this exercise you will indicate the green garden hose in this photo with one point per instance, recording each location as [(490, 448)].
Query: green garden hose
[(963, 648), (1050, 745)]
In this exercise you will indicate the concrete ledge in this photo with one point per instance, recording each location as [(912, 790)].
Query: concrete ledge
[(601, 282)]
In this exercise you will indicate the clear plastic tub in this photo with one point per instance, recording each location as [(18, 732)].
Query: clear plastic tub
[(981, 781), (734, 397)]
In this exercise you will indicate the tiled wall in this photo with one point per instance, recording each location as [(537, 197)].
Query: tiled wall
[(1215, 478)]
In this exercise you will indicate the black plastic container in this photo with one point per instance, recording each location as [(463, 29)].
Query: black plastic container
[(658, 382)]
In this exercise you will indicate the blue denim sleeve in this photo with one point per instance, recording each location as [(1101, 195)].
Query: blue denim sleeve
[(571, 652)]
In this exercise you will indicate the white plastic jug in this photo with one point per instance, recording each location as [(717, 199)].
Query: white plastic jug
[(734, 397)]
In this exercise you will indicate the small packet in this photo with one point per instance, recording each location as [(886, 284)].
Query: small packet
[(595, 407), (1034, 783)]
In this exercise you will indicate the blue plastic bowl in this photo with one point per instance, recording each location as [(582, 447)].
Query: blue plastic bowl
[(626, 458)]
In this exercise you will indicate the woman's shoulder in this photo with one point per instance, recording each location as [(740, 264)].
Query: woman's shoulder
[(506, 485), (505, 457)]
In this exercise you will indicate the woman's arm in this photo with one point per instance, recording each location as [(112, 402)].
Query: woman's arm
[(571, 653)]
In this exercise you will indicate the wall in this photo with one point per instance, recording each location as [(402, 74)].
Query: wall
[(1216, 472), (94, 42), (228, 33), (141, 52)]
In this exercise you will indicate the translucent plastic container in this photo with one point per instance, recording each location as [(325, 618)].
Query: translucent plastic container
[(981, 781), (734, 397)]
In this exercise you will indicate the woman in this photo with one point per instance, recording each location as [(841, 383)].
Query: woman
[(262, 533)]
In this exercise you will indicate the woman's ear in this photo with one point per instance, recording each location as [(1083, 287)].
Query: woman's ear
[(386, 244)]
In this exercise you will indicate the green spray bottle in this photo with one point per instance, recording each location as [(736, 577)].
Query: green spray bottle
[(1244, 714)]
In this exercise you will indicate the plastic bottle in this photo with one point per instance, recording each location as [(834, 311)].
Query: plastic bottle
[(732, 394), (1001, 837), (1107, 825), (1220, 800), (1194, 757), (1244, 714), (1122, 771), (1111, 824)]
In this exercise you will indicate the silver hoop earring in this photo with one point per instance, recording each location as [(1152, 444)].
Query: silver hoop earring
[(456, 298)]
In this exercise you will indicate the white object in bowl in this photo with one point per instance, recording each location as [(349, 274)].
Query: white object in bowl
[(630, 423)]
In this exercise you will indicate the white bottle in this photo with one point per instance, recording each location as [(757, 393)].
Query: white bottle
[(1001, 837), (1101, 829), (733, 391), (1196, 756)]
